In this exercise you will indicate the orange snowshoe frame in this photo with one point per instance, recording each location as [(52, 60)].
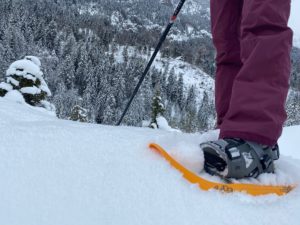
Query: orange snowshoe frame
[(252, 189)]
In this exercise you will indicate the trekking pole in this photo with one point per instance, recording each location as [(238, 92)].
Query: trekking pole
[(161, 41)]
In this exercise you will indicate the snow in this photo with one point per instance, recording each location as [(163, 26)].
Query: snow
[(30, 77), (44, 87), (89, 9), (15, 96), (115, 18), (50, 108), (295, 22), (191, 7), (190, 29), (63, 172), (24, 67), (6, 86), (30, 90), (13, 81), (34, 59), (192, 75), (29, 68), (164, 125), (205, 32), (290, 139)]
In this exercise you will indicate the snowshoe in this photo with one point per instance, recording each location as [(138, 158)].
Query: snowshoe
[(237, 158), (227, 187)]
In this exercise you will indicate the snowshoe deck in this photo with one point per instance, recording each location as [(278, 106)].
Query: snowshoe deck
[(252, 189)]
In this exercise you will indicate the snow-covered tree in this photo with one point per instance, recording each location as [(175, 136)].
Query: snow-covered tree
[(79, 114), (191, 111), (158, 109), (65, 101), (82, 57), (180, 97), (82, 69), (203, 112), (67, 72), (293, 108), (50, 34), (171, 86), (125, 54), (26, 77)]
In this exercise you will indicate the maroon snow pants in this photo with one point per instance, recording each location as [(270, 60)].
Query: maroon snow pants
[(253, 44)]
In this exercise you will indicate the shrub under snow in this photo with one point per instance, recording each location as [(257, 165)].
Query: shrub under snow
[(79, 114), (26, 77)]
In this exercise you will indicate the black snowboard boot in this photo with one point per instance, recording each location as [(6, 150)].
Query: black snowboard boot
[(237, 158)]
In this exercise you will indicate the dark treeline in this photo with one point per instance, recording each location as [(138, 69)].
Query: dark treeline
[(81, 43)]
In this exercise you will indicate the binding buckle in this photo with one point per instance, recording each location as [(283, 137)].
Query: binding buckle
[(275, 152), (233, 153), (266, 161)]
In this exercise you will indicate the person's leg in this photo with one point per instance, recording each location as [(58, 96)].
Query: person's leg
[(256, 111), (225, 26)]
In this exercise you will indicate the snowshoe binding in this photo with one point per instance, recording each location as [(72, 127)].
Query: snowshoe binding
[(237, 158)]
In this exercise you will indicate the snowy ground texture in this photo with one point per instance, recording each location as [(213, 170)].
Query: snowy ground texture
[(56, 172)]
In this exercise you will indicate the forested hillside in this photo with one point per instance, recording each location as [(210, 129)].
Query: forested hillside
[(93, 53)]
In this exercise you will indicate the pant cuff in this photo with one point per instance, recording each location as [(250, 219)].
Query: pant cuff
[(248, 136)]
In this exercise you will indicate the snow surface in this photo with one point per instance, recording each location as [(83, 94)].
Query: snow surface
[(295, 21), (69, 173)]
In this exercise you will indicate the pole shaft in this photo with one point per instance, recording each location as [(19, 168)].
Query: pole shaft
[(161, 41)]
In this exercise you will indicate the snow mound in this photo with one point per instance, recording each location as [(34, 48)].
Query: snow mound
[(63, 172), (164, 125), (15, 96), (6, 86), (34, 59), (23, 68)]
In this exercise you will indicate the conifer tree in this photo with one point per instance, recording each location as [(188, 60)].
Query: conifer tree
[(293, 108), (26, 77), (50, 34), (125, 54), (172, 88), (84, 64), (191, 111), (86, 48), (180, 97), (79, 114), (158, 108), (203, 113)]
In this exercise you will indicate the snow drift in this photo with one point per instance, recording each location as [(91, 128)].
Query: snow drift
[(69, 173)]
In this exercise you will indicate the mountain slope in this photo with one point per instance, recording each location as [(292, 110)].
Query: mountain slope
[(61, 172)]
